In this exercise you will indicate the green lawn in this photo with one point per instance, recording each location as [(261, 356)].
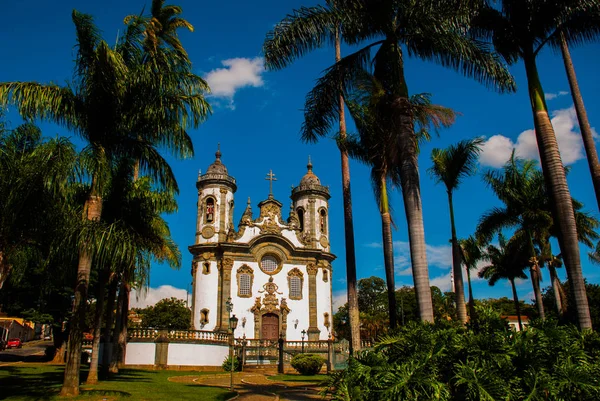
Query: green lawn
[(298, 378), (42, 382)]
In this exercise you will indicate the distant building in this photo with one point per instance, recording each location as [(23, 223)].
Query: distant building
[(276, 271), (513, 321), (13, 327)]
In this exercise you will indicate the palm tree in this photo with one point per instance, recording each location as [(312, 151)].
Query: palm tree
[(450, 166), (519, 185), (430, 30), (584, 123), (118, 109), (375, 146), (519, 30), (34, 174), (471, 253), (507, 262), (134, 208), (296, 22)]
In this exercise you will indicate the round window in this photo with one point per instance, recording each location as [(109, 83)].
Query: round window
[(269, 264)]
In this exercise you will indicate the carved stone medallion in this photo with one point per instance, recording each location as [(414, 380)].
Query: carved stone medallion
[(323, 241), (208, 232)]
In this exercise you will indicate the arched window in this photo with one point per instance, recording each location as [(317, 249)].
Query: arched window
[(206, 268), (300, 213), (323, 221), (295, 279), (325, 275), (204, 317), (210, 210), (245, 276)]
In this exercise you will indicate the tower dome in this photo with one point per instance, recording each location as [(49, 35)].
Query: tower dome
[(309, 178), (217, 167), (217, 174)]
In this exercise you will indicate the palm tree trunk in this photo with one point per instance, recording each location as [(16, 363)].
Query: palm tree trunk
[(4, 269), (388, 253), (60, 344), (353, 311), (517, 305), (108, 341), (100, 295), (122, 340), (557, 289), (584, 124), (114, 359), (556, 182), (534, 271), (459, 287), (411, 194), (93, 211)]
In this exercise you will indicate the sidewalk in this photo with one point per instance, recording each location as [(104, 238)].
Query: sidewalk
[(257, 387)]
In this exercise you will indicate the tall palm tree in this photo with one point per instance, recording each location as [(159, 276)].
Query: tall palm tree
[(584, 124), (519, 30), (507, 262), (450, 166), (118, 109), (430, 30), (375, 146), (471, 253), (519, 185), (295, 22)]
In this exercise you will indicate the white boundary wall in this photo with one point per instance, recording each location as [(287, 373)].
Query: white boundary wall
[(196, 354), (140, 353)]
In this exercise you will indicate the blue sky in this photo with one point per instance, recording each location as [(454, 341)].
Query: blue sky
[(257, 116)]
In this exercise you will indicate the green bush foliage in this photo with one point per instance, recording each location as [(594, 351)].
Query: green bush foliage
[(237, 365), (485, 361), (307, 364)]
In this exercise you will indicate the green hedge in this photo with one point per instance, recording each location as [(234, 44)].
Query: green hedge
[(307, 364)]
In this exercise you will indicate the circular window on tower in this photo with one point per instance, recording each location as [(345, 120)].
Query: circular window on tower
[(269, 264)]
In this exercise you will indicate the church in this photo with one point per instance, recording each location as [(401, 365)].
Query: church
[(276, 272)]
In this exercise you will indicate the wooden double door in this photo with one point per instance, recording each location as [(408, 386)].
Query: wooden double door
[(270, 327)]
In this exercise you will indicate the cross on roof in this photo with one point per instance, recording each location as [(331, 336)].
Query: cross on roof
[(271, 177)]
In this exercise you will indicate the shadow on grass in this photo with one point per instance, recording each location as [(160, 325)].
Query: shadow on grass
[(101, 392), (32, 383), (221, 397)]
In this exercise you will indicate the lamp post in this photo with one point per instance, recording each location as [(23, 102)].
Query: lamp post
[(233, 321), (303, 332)]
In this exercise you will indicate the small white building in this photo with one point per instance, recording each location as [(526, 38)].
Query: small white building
[(276, 271)]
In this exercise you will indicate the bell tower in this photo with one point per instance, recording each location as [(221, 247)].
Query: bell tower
[(310, 201), (215, 202)]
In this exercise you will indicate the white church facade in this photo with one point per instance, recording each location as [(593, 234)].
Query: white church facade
[(276, 271)]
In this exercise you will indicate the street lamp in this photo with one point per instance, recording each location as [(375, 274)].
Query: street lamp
[(233, 321), (303, 332)]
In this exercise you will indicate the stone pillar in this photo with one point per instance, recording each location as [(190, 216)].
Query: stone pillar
[(225, 267), (195, 263), (161, 353), (223, 215), (312, 222), (313, 329)]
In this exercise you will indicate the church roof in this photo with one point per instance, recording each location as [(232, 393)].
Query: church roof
[(217, 167), (310, 183), (309, 178)]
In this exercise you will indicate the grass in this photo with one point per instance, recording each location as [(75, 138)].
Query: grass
[(42, 382), (298, 378)]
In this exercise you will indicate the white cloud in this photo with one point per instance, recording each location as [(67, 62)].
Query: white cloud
[(442, 282), (237, 73), (153, 295), (437, 255), (550, 96), (498, 148), (339, 299)]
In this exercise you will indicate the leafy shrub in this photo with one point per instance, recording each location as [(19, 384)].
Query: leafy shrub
[(237, 365), (307, 364), (485, 361)]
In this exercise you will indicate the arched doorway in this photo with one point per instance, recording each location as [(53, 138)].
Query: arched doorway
[(270, 326)]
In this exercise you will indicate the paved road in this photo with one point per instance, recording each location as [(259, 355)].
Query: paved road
[(32, 351)]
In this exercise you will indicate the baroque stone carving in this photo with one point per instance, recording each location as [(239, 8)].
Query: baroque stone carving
[(312, 269), (208, 232), (324, 241)]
